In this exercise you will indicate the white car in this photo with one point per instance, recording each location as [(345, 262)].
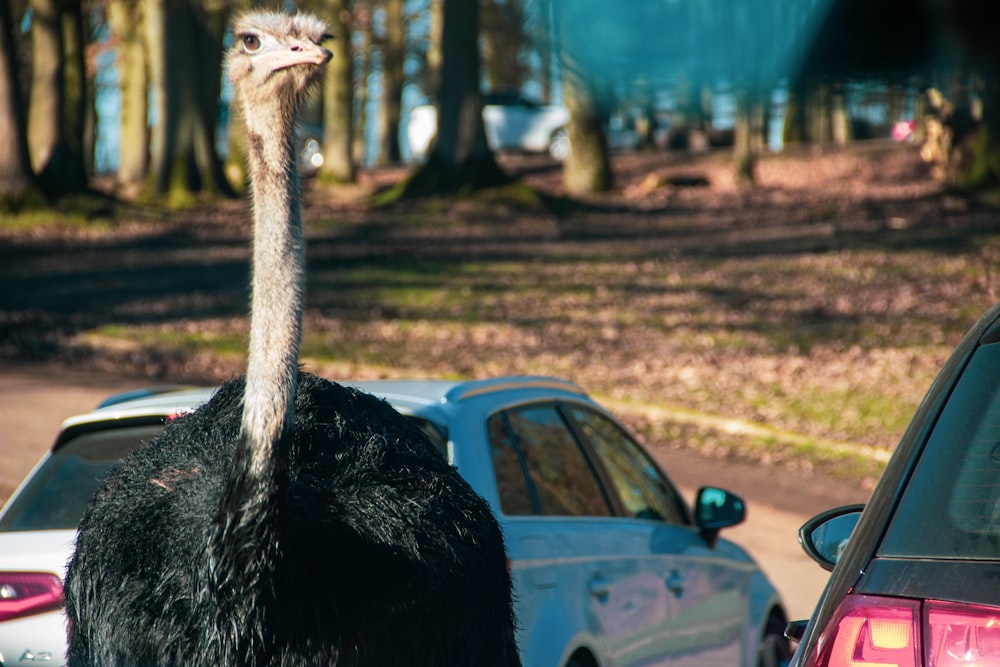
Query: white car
[(610, 566), (512, 122)]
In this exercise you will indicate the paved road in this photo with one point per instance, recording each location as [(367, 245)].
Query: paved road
[(34, 400)]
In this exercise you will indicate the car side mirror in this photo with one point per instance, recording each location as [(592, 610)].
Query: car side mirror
[(715, 509), (825, 536)]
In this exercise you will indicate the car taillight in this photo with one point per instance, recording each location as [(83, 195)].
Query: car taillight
[(962, 635), (874, 631), (26, 593)]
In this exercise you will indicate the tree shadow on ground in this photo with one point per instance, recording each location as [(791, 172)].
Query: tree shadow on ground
[(184, 271)]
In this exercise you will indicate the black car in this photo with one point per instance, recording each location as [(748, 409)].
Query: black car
[(916, 572)]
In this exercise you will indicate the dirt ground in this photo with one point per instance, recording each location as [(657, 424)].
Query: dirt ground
[(189, 270)]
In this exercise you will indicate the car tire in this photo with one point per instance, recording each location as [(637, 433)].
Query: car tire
[(559, 144), (774, 649)]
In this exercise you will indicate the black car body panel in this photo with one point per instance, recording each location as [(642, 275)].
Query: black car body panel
[(859, 570), (973, 582)]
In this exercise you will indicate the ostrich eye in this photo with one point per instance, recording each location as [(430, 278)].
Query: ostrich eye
[(251, 43)]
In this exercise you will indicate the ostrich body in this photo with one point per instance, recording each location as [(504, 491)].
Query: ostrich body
[(289, 520)]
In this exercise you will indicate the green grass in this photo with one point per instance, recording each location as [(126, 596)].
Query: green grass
[(45, 218)]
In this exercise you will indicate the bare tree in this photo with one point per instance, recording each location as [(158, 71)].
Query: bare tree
[(184, 40), (338, 99), (747, 135), (504, 39), (56, 111), (544, 47), (17, 182), (587, 168), (392, 46), (125, 20), (459, 156), (362, 62), (433, 55)]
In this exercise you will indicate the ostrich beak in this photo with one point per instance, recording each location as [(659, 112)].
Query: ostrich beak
[(298, 52)]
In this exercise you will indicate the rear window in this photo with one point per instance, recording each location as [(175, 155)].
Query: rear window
[(434, 433), (58, 493), (951, 505)]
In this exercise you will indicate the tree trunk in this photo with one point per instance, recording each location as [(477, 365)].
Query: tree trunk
[(78, 108), (690, 123), (124, 18), (161, 135), (545, 49), (433, 56), (46, 94), (459, 157), (54, 157), (819, 114), (840, 122), (974, 157), (748, 136), (363, 29), (796, 126), (185, 59), (338, 100), (17, 183), (391, 109), (502, 24), (587, 168)]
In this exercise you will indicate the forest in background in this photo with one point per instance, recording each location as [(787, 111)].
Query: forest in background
[(662, 64)]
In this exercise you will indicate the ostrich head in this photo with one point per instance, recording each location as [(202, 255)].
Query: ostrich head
[(274, 60)]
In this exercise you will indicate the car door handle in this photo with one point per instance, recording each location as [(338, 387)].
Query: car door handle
[(675, 583), (599, 586)]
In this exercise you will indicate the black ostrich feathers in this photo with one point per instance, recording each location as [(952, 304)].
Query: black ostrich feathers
[(357, 544)]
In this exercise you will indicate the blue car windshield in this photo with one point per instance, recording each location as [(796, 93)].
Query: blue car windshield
[(952, 500)]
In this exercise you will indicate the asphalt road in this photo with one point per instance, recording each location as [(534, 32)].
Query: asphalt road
[(34, 399)]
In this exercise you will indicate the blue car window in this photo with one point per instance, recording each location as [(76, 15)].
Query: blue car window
[(512, 487), (641, 488), (558, 470)]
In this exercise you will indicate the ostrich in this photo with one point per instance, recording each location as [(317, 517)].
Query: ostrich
[(290, 520)]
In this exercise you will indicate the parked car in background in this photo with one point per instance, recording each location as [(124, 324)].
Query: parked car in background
[(915, 572), (610, 565), (512, 123)]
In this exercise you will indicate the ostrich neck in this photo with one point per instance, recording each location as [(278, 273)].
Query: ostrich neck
[(277, 287)]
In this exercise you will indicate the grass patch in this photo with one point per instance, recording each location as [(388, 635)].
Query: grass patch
[(47, 219), (715, 437), (167, 340)]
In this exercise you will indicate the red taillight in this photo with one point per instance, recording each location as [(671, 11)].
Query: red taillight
[(26, 593), (873, 631), (962, 635), (869, 631)]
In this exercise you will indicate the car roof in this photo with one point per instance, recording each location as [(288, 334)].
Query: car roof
[(409, 396)]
